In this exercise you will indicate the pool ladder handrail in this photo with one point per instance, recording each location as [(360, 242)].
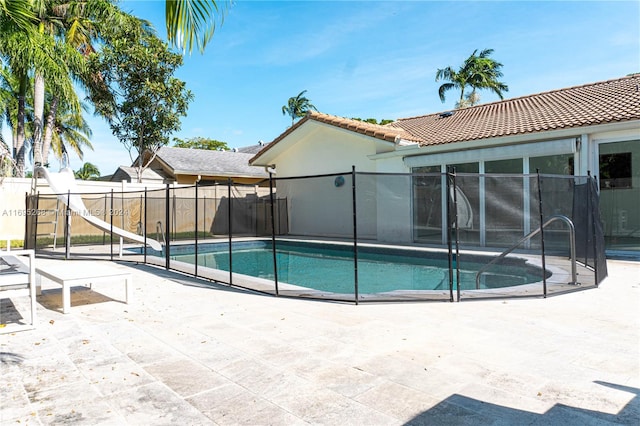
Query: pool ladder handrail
[(160, 233), (572, 243)]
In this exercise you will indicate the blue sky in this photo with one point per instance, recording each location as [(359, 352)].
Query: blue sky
[(378, 59)]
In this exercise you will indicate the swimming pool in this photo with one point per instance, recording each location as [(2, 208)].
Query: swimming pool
[(329, 267)]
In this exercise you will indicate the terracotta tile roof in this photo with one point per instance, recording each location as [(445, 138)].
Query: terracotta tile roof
[(587, 105), (377, 131), (590, 104), (387, 133)]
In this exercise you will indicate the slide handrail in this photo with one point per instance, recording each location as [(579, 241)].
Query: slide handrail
[(554, 218)]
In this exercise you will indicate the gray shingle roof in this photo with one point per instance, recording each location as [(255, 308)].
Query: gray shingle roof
[(129, 173), (209, 163), (251, 149)]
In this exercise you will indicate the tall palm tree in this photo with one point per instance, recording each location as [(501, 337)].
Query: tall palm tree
[(477, 72), (35, 32), (78, 26), (61, 22), (192, 22), (16, 52), (33, 50), (18, 119), (297, 107)]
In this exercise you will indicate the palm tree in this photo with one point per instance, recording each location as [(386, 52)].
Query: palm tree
[(15, 15), (298, 107), (71, 132), (78, 26), (34, 50), (34, 32), (16, 52), (17, 112), (192, 22), (477, 72), (88, 171), (7, 164), (70, 28)]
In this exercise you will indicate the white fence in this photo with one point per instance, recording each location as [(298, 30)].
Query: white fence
[(13, 192)]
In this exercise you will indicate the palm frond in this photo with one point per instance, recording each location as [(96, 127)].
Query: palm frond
[(193, 22)]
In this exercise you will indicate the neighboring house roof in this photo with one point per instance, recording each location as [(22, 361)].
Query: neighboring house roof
[(186, 161), (131, 175), (587, 105), (251, 149), (603, 102)]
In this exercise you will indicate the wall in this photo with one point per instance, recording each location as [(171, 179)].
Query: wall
[(316, 205), (97, 198)]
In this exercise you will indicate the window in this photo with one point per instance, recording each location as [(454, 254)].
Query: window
[(615, 170), (552, 164)]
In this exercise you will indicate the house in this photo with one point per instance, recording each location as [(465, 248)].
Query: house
[(592, 128), (130, 174), (188, 166)]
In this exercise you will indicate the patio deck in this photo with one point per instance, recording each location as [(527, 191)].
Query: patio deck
[(181, 353)]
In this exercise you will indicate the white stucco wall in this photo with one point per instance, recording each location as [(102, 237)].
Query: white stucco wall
[(322, 149), (316, 205), (395, 202)]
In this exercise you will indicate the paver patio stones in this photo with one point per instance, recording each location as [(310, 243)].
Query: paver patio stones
[(182, 353)]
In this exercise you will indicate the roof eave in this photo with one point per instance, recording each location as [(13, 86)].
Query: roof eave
[(223, 174), (508, 140)]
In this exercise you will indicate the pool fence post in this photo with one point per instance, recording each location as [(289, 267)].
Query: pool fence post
[(195, 271), (455, 218), (589, 219), (35, 202), (229, 216), (104, 217), (273, 234), (593, 185), (111, 224), (144, 227), (449, 243), (167, 229), (122, 209), (67, 228), (355, 234), (544, 268), (174, 218), (29, 222)]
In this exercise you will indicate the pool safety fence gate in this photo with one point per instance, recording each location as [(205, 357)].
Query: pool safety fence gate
[(352, 236)]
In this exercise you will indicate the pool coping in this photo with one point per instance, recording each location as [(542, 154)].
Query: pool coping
[(267, 286)]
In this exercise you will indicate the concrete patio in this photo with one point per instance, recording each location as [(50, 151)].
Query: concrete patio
[(184, 353)]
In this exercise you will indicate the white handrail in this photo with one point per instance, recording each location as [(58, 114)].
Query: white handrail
[(572, 243)]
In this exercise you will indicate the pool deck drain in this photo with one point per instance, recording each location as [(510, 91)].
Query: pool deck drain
[(181, 353)]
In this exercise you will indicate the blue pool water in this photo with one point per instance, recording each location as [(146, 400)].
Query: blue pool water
[(330, 267)]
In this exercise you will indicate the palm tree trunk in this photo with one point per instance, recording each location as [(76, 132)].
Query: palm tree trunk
[(48, 130), (38, 112), (19, 148)]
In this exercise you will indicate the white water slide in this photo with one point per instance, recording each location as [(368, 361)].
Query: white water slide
[(63, 184)]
